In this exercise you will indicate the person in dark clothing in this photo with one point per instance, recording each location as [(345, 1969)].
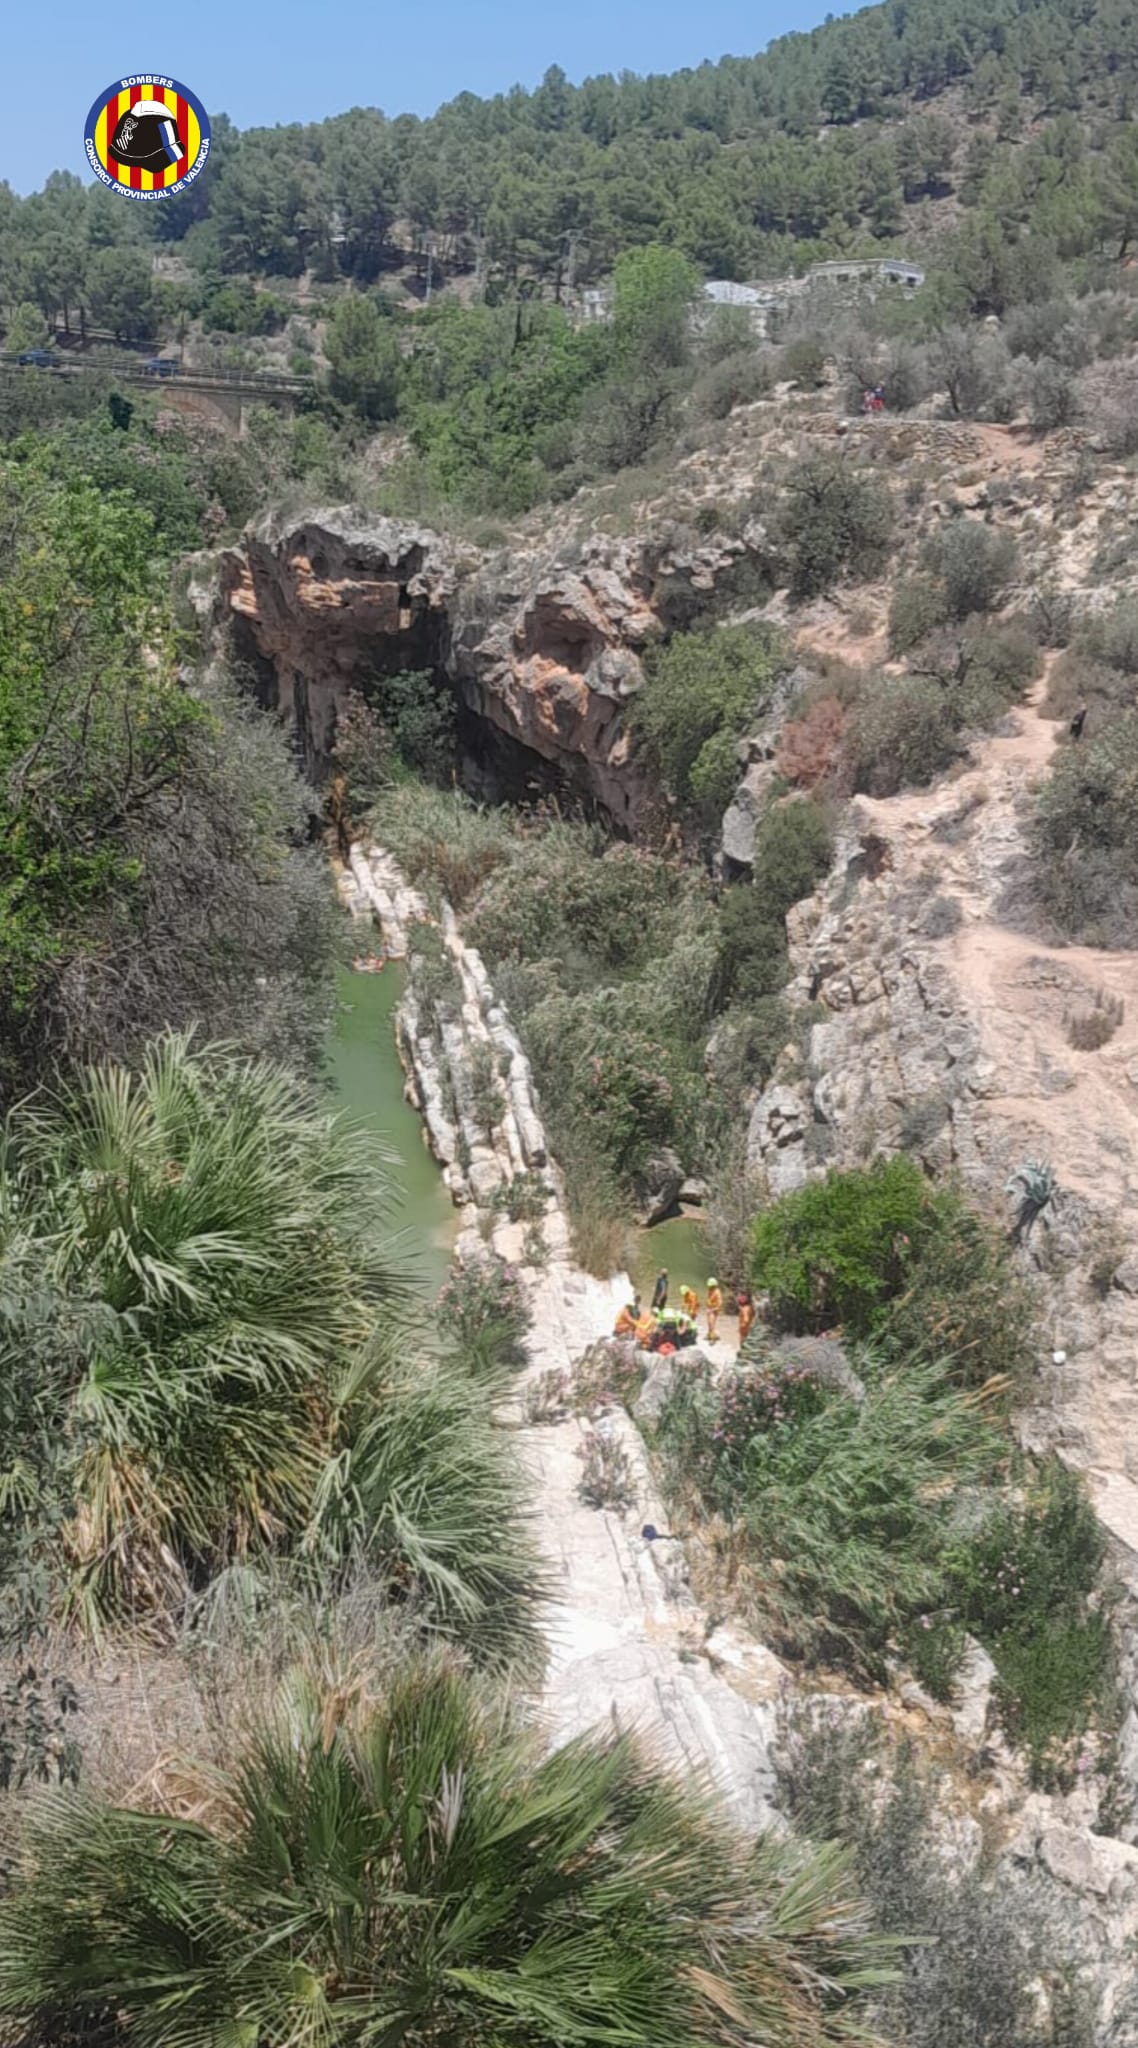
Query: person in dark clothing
[(1078, 722), (660, 1291)]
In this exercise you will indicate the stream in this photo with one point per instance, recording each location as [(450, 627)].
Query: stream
[(367, 1083)]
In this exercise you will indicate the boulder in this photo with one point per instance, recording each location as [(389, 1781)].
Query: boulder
[(974, 1681), (740, 821), (659, 1379), (658, 1186), (825, 1357)]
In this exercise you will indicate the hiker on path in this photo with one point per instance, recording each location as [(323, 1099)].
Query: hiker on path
[(746, 1317), (660, 1291), (690, 1300), (1078, 722), (714, 1310)]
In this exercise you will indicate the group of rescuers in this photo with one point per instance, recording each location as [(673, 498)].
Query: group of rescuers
[(660, 1328)]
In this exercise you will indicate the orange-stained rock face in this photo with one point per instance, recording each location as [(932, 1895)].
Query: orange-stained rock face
[(549, 663)]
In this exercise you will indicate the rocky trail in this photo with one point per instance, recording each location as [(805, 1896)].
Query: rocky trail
[(980, 1016)]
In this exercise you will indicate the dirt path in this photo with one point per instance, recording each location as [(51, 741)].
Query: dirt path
[(1035, 1095), (1080, 1107)]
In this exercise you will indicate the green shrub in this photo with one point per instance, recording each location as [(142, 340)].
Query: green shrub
[(740, 1057), (483, 1310), (524, 1199), (1049, 1686), (486, 1100), (715, 774), (1022, 1583), (362, 750), (442, 840), (963, 1302), (1078, 679), (903, 733), (838, 1250), (833, 520), (803, 362), (793, 850), (1111, 637), (974, 564), (752, 963), (1086, 837), (840, 1520), (420, 716), (1049, 393), (698, 689), (998, 659), (884, 1251), (736, 379), (599, 911), (619, 1080), (716, 1441), (918, 607), (435, 980)]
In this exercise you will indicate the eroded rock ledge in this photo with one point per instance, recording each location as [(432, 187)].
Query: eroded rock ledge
[(542, 647)]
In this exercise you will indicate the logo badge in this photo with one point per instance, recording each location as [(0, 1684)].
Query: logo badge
[(147, 137)]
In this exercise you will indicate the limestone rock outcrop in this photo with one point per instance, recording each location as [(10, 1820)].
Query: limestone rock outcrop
[(322, 605), (543, 652)]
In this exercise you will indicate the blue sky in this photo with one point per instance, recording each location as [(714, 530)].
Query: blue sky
[(263, 61)]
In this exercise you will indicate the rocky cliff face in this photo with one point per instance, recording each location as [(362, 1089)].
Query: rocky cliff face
[(544, 650), (944, 1031)]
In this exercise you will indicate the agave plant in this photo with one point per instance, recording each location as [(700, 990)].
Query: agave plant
[(419, 1874), (1035, 1187)]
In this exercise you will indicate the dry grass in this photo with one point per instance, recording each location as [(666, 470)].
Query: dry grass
[(144, 1710)]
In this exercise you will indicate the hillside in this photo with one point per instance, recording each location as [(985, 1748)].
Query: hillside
[(736, 772)]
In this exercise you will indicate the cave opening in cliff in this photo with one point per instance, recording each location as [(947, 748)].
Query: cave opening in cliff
[(495, 768)]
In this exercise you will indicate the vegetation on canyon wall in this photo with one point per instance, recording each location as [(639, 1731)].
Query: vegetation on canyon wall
[(647, 1000), (984, 1950), (223, 1451), (140, 885)]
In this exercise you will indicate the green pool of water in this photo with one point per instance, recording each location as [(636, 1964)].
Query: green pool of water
[(367, 1082), (681, 1246)]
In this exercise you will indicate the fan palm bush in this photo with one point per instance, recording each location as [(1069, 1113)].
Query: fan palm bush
[(193, 1278), (423, 1488), (840, 1509), (418, 1873), (215, 1235)]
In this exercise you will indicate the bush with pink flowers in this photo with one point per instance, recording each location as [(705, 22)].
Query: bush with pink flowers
[(483, 1310)]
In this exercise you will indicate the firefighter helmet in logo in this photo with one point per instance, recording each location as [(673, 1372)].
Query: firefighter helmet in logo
[(147, 137)]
